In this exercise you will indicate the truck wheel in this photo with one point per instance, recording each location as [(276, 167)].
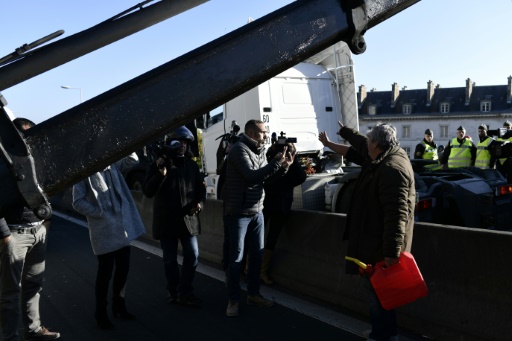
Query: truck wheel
[(344, 197)]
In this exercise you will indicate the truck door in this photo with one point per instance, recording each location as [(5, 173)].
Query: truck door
[(302, 107)]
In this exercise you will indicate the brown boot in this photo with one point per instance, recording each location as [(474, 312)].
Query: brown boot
[(265, 264)]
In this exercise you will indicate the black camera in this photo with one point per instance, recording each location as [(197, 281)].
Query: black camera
[(231, 137), (163, 150), (500, 132), (280, 142)]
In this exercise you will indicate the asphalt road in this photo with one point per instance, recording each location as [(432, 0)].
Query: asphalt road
[(67, 301)]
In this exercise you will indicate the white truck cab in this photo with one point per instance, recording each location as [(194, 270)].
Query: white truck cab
[(300, 102)]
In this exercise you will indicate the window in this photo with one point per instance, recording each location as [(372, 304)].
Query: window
[(214, 116), (444, 131), (372, 110), (406, 132), (406, 109), (408, 151), (485, 106), (445, 108)]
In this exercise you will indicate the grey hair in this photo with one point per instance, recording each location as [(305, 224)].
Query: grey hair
[(384, 134)]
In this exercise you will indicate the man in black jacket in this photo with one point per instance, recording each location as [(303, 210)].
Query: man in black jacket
[(277, 205), (247, 168), (177, 185)]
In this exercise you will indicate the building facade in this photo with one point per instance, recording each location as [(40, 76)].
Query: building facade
[(442, 110)]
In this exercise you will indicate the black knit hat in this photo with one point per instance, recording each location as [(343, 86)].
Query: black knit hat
[(429, 132), (461, 128)]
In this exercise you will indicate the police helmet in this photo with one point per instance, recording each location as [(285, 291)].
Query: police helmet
[(182, 133)]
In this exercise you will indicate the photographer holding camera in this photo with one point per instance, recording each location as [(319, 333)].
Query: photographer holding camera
[(177, 185), (278, 200)]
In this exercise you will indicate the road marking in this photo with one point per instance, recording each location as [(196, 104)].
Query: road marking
[(309, 309)]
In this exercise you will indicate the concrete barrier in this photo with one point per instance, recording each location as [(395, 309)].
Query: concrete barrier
[(466, 270)]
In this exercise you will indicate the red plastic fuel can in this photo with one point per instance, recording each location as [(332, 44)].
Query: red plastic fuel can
[(398, 284)]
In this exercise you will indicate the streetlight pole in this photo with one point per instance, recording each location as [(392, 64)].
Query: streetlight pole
[(69, 87)]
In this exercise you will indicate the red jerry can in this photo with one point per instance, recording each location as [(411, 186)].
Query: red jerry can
[(398, 284)]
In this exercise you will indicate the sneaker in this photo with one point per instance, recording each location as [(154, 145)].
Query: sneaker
[(42, 334), (189, 300), (232, 309), (259, 301)]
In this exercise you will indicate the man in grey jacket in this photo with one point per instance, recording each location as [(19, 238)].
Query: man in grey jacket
[(247, 169)]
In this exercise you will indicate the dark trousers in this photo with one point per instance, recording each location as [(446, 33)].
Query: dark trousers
[(180, 284), (384, 324), (118, 264), (274, 221)]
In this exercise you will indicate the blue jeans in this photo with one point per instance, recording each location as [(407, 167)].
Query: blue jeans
[(239, 227), (384, 325), (180, 285)]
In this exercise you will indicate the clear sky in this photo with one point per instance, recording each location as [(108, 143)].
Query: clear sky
[(443, 41)]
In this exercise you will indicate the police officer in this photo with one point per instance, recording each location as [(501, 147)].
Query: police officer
[(460, 151), (427, 149), (484, 159), (504, 165)]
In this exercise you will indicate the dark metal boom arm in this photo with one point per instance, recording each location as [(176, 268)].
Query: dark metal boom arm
[(85, 139), (45, 58)]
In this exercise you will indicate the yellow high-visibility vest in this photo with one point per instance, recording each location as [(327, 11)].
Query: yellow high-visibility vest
[(483, 155), (430, 153), (460, 155)]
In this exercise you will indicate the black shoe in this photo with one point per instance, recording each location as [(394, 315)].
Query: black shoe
[(103, 321), (189, 300), (173, 298), (119, 309), (42, 334), (243, 277)]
